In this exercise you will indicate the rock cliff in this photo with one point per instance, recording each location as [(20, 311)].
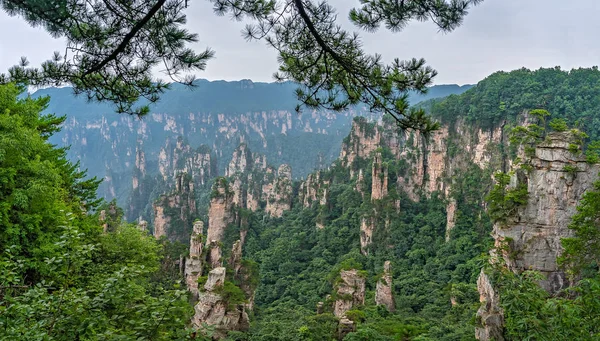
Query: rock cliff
[(383, 292), (555, 184), (214, 310), (556, 178), (350, 292), (193, 263), (257, 185), (174, 212)]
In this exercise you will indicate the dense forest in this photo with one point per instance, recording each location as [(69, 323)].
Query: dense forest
[(72, 268)]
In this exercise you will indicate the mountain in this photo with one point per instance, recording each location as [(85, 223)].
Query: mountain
[(390, 241), (213, 118)]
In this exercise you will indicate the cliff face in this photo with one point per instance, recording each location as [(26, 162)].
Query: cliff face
[(555, 185), (383, 292), (257, 185), (150, 179), (174, 212), (133, 149), (279, 199), (350, 292), (530, 239), (214, 310), (220, 211)]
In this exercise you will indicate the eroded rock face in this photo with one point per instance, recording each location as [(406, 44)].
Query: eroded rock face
[(280, 197), (363, 140), (314, 189), (235, 260), (383, 291), (534, 234), (161, 221), (215, 255), (531, 238), (367, 227), (350, 292), (193, 263), (220, 211), (379, 188), (241, 161), (177, 207), (214, 311), (490, 316)]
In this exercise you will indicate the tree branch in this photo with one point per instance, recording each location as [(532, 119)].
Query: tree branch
[(127, 38)]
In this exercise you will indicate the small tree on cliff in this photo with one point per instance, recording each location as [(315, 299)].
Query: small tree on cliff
[(113, 45)]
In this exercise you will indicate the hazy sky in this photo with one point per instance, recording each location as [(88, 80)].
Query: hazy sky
[(496, 35)]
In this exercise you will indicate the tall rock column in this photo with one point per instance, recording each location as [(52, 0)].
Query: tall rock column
[(556, 183), (193, 264), (214, 310), (383, 292), (280, 197), (220, 214), (350, 292), (379, 188), (367, 227)]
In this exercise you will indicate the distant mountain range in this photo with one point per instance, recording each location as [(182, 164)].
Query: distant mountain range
[(218, 114)]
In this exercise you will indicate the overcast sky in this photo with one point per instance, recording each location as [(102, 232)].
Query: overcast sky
[(496, 35)]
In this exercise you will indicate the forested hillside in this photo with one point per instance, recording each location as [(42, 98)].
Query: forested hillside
[(421, 204), (390, 241), (215, 115)]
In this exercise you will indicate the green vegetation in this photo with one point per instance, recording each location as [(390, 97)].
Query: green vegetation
[(573, 314), (300, 264), (569, 95), (61, 277), (505, 200)]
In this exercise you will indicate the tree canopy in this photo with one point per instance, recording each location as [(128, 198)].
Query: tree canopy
[(114, 45)]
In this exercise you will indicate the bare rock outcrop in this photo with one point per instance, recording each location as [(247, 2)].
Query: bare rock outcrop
[(241, 161), (556, 183), (367, 227), (193, 263), (383, 291), (379, 188), (220, 213), (313, 189), (235, 260), (350, 292), (531, 238), (363, 140), (212, 309), (490, 316), (177, 207), (280, 197)]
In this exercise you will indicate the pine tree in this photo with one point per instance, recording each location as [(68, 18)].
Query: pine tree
[(113, 45)]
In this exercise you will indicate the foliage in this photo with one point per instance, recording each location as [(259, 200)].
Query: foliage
[(592, 153), (37, 183), (530, 313), (559, 124), (61, 278), (231, 293), (582, 251), (300, 264), (504, 200), (112, 46), (503, 96)]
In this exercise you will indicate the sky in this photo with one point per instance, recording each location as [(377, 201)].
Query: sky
[(496, 35)]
